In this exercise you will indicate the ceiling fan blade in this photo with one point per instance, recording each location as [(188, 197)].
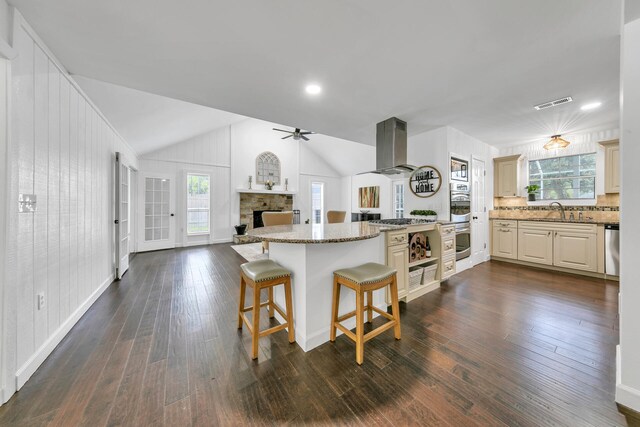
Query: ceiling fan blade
[(288, 136), (304, 137), (307, 133), (282, 130)]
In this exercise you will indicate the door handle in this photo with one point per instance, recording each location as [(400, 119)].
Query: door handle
[(116, 222), (172, 215), (475, 217)]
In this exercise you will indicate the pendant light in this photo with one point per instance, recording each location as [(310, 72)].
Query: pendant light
[(556, 142)]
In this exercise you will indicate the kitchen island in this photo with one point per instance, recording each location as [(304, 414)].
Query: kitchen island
[(312, 253)]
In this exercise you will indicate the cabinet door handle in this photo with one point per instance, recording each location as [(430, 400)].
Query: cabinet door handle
[(556, 234), (549, 234)]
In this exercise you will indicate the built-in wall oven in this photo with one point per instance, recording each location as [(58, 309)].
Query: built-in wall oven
[(460, 206)]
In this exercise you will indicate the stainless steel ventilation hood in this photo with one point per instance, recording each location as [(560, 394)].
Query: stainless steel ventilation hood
[(391, 148)]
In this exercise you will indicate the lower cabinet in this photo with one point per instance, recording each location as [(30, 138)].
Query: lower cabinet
[(535, 246), (575, 250), (565, 245), (398, 258), (504, 241)]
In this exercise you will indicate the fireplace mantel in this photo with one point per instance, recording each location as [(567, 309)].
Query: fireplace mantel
[(257, 191)]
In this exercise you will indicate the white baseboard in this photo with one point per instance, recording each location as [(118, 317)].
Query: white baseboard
[(34, 362), (224, 240), (625, 395)]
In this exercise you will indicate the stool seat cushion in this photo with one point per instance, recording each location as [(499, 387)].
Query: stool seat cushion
[(264, 269), (366, 273)]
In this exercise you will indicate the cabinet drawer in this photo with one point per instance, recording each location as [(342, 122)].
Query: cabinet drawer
[(448, 245), (396, 238), (448, 267), (505, 223), (447, 230)]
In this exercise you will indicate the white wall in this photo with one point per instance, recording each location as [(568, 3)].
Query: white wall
[(5, 21), (314, 168), (372, 180), (581, 143), (62, 150), (210, 154), (628, 372), (4, 178)]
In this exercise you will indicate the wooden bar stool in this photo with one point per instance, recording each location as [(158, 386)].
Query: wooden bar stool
[(365, 278), (264, 274)]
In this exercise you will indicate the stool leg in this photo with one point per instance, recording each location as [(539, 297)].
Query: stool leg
[(289, 307), (271, 309), (369, 305), (335, 308), (395, 307), (256, 321), (243, 287), (359, 326)]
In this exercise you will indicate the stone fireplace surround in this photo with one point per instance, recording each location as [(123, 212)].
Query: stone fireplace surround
[(250, 202)]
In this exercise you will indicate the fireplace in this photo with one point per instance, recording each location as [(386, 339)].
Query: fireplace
[(257, 217), (253, 204)]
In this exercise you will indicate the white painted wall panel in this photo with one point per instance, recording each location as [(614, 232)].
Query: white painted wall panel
[(53, 203), (62, 148)]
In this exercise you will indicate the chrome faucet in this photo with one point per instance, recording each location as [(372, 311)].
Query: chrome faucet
[(562, 215)]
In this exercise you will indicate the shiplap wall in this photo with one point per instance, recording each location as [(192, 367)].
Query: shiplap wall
[(209, 153), (62, 150)]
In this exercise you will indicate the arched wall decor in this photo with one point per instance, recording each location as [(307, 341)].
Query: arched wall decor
[(267, 168)]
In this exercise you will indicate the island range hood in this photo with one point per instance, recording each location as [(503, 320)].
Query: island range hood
[(391, 148)]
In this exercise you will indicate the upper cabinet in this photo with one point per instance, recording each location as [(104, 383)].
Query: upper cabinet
[(611, 166), (506, 175)]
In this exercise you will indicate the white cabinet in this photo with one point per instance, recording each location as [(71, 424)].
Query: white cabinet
[(448, 251), (575, 249), (506, 173), (565, 245), (398, 258), (535, 245), (611, 166), (504, 239)]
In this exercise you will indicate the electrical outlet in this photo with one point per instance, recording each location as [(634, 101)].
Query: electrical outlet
[(40, 300)]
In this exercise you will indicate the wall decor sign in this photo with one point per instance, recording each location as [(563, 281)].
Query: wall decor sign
[(459, 170), (369, 197), (425, 181)]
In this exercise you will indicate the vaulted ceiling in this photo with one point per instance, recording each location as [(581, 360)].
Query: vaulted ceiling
[(479, 66)]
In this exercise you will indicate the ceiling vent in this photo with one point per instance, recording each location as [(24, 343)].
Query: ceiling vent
[(555, 103)]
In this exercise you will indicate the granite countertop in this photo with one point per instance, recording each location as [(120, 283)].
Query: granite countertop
[(320, 233), (575, 221)]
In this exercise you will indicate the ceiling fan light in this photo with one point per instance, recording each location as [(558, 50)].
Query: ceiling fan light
[(556, 143), (313, 89)]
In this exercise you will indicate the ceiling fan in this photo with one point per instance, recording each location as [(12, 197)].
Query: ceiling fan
[(296, 134)]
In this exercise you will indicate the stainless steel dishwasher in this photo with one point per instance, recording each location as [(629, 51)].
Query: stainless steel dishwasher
[(612, 249)]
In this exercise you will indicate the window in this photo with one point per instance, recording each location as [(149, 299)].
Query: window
[(317, 202), (198, 200), (568, 177), (398, 199)]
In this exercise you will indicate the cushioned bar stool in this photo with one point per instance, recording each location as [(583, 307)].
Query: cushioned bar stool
[(264, 274), (365, 278)]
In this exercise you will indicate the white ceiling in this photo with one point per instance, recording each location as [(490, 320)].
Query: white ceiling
[(149, 122), (478, 66)]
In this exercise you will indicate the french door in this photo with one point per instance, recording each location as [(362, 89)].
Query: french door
[(157, 228), (122, 215)]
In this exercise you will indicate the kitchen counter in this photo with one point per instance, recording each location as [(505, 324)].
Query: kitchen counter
[(576, 221), (321, 233)]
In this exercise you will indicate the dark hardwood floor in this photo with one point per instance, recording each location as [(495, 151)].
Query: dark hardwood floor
[(497, 345)]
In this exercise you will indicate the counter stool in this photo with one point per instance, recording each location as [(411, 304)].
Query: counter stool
[(264, 274), (365, 278)]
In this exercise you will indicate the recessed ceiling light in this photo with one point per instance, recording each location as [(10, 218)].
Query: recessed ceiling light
[(313, 89), (590, 106)]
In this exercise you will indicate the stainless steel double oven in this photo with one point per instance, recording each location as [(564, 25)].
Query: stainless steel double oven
[(460, 205)]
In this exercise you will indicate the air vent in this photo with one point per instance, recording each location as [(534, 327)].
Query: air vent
[(553, 103)]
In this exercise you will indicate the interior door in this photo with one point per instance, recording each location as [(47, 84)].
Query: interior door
[(479, 226), (122, 215), (157, 200)]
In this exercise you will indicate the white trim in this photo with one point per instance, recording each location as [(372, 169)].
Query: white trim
[(223, 240), (33, 363), (625, 395), (319, 175), (19, 21), (184, 162), (4, 223), (258, 191), (6, 51)]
